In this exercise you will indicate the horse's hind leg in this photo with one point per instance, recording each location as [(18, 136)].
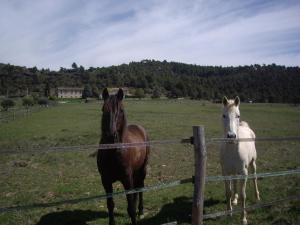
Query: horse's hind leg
[(139, 183), (131, 200), (110, 203), (253, 165)]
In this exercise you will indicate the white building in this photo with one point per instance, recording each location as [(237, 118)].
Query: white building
[(69, 92)]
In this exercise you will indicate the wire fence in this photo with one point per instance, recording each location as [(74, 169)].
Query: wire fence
[(161, 185), (22, 112), (141, 144), (252, 207)]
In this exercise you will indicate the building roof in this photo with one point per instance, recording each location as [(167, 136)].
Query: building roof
[(70, 88)]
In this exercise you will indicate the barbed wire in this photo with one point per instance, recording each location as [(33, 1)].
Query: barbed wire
[(140, 144), (252, 207), (159, 186)]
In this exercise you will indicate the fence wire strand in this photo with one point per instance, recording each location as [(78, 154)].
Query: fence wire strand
[(162, 185), (97, 197), (139, 144), (251, 176), (230, 140), (252, 207)]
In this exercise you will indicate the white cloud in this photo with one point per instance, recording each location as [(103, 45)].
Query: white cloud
[(101, 33)]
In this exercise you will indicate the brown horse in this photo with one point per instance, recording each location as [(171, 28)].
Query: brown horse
[(127, 165)]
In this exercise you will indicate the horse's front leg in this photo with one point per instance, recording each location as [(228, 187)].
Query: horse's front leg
[(243, 197), (110, 203), (228, 195), (235, 193), (131, 199)]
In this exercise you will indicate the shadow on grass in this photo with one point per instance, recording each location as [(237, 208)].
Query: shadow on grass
[(75, 217), (179, 210)]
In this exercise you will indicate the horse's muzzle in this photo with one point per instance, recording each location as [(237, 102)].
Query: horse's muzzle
[(231, 135)]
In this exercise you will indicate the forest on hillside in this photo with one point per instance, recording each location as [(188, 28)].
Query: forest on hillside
[(258, 83)]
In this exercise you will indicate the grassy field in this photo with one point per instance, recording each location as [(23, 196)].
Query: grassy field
[(53, 176)]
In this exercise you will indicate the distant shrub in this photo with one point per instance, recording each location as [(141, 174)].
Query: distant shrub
[(139, 93), (35, 97), (27, 101), (52, 98), (87, 92), (156, 93), (43, 101), (7, 103)]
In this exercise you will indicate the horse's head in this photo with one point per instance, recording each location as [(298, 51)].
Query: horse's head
[(231, 117), (113, 115)]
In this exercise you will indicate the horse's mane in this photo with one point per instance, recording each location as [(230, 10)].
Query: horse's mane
[(244, 124)]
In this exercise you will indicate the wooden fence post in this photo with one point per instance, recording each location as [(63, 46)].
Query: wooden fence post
[(200, 173)]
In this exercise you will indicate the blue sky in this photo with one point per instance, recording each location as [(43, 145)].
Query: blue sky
[(56, 33)]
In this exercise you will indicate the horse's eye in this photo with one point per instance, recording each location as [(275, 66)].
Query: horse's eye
[(224, 116), (237, 116)]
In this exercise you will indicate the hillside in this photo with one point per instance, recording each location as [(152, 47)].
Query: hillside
[(259, 83)]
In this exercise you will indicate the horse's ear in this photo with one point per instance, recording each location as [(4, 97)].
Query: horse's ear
[(225, 100), (120, 94), (105, 94), (237, 100)]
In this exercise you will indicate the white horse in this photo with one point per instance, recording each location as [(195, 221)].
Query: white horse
[(236, 157)]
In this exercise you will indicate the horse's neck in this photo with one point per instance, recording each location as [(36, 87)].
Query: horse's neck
[(122, 130), (111, 140)]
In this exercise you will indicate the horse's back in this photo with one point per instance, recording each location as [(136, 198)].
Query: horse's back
[(134, 133), (136, 156), (247, 148)]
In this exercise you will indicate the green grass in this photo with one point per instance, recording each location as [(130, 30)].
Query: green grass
[(48, 177)]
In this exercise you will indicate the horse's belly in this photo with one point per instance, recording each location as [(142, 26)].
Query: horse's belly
[(232, 161)]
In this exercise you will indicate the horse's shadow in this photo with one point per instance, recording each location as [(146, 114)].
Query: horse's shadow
[(179, 210), (74, 217)]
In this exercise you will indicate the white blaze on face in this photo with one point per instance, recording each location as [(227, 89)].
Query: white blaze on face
[(231, 117)]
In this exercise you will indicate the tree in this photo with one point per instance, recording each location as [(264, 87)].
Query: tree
[(81, 69), (156, 93), (139, 93), (74, 66), (43, 101), (95, 91), (27, 101), (87, 92), (261, 83), (47, 90), (7, 103)]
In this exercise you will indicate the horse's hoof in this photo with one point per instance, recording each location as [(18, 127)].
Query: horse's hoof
[(245, 221), (141, 216)]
